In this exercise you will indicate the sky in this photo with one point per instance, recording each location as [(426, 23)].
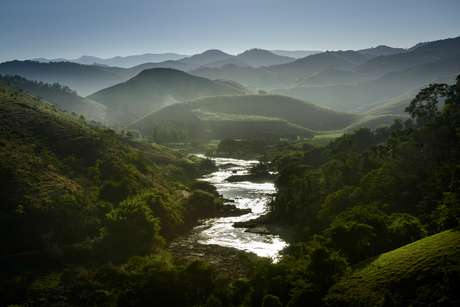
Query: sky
[(106, 28)]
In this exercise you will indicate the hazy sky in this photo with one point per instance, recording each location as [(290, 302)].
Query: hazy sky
[(70, 28)]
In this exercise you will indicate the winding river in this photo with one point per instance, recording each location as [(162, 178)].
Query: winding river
[(244, 195)]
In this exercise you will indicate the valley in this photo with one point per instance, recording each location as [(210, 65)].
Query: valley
[(296, 166)]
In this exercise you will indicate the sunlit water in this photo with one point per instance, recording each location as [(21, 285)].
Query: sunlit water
[(246, 195)]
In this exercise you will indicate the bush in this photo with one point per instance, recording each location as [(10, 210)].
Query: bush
[(131, 229), (405, 228), (271, 301)]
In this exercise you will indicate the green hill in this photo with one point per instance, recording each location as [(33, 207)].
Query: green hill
[(422, 273), (245, 116), (61, 96), (156, 88)]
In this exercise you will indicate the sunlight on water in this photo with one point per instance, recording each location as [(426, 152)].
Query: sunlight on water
[(246, 195)]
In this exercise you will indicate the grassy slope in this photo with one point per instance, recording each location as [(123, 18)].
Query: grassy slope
[(412, 272)]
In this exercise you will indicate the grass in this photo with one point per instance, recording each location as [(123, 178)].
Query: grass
[(397, 276)]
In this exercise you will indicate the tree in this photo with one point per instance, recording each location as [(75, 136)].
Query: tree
[(271, 301)]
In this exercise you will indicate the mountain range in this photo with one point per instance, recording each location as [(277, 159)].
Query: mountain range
[(347, 80), (119, 61)]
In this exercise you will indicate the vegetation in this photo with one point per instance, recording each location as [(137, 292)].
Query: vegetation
[(77, 195)]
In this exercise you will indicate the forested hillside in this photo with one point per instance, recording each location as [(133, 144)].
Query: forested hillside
[(62, 97), (76, 194)]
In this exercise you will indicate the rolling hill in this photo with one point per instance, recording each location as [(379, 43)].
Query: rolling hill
[(284, 75), (413, 275), (245, 116), (62, 97), (261, 57), (315, 63), (362, 96), (85, 79), (420, 54), (381, 50), (206, 57), (155, 88)]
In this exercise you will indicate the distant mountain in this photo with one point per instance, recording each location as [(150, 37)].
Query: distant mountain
[(178, 65), (312, 64), (85, 79), (228, 61), (260, 57), (395, 106), (285, 74), (62, 97), (381, 51), (360, 97), (420, 54), (295, 53), (318, 62), (120, 61), (334, 76), (207, 57), (155, 88), (250, 58), (248, 76), (245, 116)]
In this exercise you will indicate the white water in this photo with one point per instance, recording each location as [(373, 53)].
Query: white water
[(246, 195)]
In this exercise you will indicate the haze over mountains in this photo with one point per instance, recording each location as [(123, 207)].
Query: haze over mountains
[(156, 88), (362, 80), (120, 61)]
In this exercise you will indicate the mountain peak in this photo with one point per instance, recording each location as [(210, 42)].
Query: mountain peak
[(214, 52), (257, 51)]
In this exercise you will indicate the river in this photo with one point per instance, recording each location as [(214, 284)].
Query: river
[(244, 195)]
